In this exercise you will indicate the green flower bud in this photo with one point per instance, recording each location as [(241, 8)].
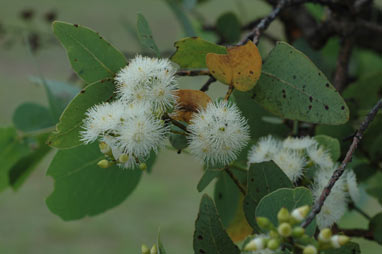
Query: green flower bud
[(123, 158), (300, 213), (273, 234), (284, 229), (154, 249), (325, 235), (145, 249), (339, 240), (298, 232), (143, 166), (104, 148), (263, 222), (255, 244), (310, 249), (283, 215), (103, 164), (273, 244)]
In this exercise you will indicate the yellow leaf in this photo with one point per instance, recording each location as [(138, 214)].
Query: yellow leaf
[(189, 102), (240, 68), (239, 228)]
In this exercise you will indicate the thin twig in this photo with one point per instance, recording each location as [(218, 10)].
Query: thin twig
[(343, 60), (235, 180), (175, 122), (229, 92), (360, 211), (192, 73), (354, 232), (340, 170), (206, 86)]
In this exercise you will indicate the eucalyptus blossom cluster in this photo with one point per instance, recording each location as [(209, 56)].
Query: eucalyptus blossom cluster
[(288, 233), (304, 158), (129, 128)]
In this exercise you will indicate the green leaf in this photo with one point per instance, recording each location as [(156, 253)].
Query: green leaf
[(178, 141), (209, 235), (349, 248), (191, 52), (332, 145), (208, 176), (12, 149), (291, 86), (263, 178), (25, 166), (32, 117), (375, 226), (145, 35), (91, 57), (161, 249), (255, 114), (229, 27), (81, 188), (271, 204), (227, 195), (340, 132), (67, 130), (374, 187), (180, 13)]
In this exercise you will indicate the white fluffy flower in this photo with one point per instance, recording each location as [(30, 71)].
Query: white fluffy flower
[(101, 119), (335, 204), (298, 143), (351, 185), (218, 133), (148, 80), (264, 150), (320, 156), (291, 162)]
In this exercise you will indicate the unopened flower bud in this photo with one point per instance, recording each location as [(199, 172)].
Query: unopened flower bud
[(325, 235), (300, 213), (154, 249), (273, 244), (339, 240), (285, 229), (310, 249), (283, 215), (298, 232), (145, 249), (255, 244), (143, 166), (103, 164), (123, 158), (104, 148), (264, 222)]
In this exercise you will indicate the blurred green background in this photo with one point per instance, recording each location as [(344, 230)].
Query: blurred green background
[(166, 199)]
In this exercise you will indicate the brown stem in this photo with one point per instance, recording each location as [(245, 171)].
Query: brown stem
[(206, 86), (175, 122), (340, 170), (192, 72), (354, 232), (343, 60), (235, 180), (229, 92)]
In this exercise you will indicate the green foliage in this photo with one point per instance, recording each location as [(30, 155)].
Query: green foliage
[(271, 204), (340, 132), (145, 35), (91, 57), (255, 115), (209, 235), (208, 176), (375, 226), (81, 188), (229, 27), (67, 130), (227, 194), (292, 87), (332, 145), (374, 187), (180, 13), (31, 117), (263, 178), (191, 52), (161, 249), (349, 248)]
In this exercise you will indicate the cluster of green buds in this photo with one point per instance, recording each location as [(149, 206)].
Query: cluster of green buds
[(110, 160), (146, 250), (289, 234)]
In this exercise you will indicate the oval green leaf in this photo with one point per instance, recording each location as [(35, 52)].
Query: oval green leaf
[(145, 35), (81, 188), (191, 52), (209, 235), (91, 57), (32, 117), (67, 134), (292, 87)]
